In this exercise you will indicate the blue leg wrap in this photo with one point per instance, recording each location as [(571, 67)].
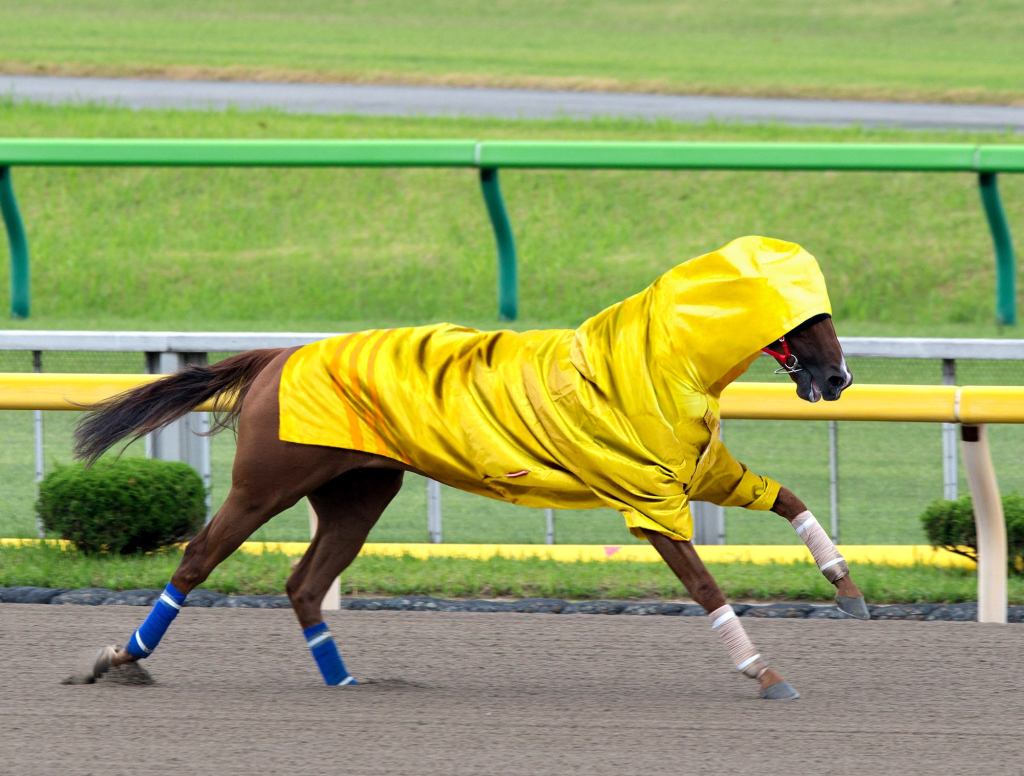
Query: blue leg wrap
[(325, 652), (145, 639)]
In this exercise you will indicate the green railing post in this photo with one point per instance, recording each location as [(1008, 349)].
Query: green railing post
[(508, 292), (19, 246), (1006, 263)]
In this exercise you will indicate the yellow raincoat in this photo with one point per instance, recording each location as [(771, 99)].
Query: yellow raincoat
[(621, 412)]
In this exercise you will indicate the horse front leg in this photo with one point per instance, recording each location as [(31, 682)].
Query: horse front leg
[(832, 565), (682, 558)]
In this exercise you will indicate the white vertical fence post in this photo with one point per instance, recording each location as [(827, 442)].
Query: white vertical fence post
[(332, 601), (182, 440), (37, 420), (833, 478), (950, 476), (549, 521), (989, 523), (708, 523), (205, 463), (709, 519), (434, 511)]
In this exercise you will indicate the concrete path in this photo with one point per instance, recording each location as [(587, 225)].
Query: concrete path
[(502, 103)]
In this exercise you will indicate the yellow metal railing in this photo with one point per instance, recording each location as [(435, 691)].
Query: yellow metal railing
[(968, 404)]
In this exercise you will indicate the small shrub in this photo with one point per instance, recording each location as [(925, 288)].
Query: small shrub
[(123, 506), (950, 525)]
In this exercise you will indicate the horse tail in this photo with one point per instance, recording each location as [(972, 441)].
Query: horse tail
[(145, 409)]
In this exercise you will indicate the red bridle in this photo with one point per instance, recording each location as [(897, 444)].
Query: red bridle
[(788, 361)]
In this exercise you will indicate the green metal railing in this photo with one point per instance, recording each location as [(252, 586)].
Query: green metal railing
[(490, 156), (18, 244), (508, 282)]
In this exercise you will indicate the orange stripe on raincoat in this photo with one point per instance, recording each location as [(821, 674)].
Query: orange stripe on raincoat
[(621, 412)]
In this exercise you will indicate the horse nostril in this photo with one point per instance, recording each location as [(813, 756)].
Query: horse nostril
[(836, 382)]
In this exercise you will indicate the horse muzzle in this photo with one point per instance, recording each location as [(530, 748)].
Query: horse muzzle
[(812, 386)]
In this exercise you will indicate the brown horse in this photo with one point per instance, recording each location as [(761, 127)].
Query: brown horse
[(349, 490)]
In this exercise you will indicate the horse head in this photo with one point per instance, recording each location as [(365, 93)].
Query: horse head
[(812, 356)]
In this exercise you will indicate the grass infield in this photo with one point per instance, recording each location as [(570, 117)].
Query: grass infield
[(338, 249), (245, 573), (858, 49)]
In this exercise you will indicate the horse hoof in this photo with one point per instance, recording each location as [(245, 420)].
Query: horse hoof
[(103, 662), (128, 674), (780, 691), (853, 606), (85, 677), (90, 673)]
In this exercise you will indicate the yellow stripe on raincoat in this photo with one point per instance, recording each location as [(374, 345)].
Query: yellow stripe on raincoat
[(621, 412)]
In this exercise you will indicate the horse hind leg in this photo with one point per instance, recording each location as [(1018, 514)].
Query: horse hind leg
[(268, 477), (244, 510), (347, 508)]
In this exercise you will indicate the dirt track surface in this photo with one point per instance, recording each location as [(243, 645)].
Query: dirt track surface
[(237, 693)]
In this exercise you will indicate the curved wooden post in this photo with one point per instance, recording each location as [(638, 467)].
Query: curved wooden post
[(990, 524)]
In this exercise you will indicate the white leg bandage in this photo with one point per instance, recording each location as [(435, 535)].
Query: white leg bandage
[(741, 649), (825, 554)]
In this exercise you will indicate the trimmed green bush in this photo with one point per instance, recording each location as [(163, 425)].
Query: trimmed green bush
[(950, 525), (124, 506)]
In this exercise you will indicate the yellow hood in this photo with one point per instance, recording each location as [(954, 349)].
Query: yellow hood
[(700, 325)]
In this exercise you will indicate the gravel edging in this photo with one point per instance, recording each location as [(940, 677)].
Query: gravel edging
[(97, 596)]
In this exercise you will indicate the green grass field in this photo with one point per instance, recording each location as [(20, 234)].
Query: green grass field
[(243, 573), (863, 48), (335, 249)]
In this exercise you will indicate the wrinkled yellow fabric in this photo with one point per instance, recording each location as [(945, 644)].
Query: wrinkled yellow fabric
[(622, 411)]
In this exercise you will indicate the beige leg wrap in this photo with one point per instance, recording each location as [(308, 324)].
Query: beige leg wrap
[(741, 649), (825, 554)]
